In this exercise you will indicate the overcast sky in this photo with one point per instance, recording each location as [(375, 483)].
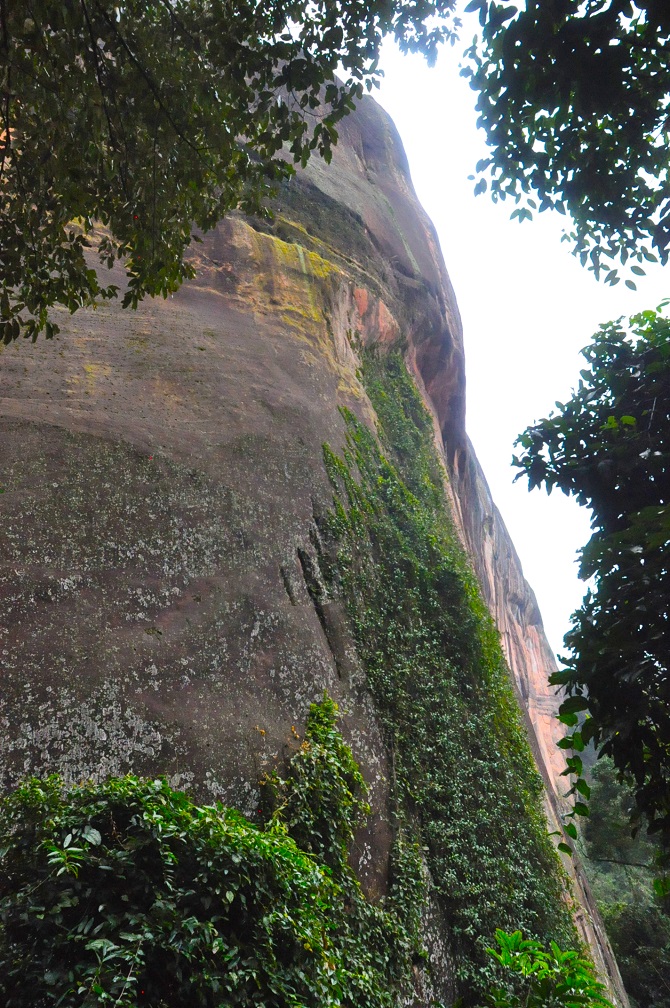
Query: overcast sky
[(527, 305)]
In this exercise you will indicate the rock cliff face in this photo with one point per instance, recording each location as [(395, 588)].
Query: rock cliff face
[(163, 483), (531, 660)]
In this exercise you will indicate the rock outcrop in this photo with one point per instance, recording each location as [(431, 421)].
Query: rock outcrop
[(163, 477)]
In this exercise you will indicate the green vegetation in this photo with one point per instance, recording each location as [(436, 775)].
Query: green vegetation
[(463, 771), (620, 867), (609, 447), (573, 98), (153, 119), (150, 118), (537, 978), (127, 894)]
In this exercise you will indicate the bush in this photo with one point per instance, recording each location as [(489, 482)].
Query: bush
[(127, 894), (539, 978)]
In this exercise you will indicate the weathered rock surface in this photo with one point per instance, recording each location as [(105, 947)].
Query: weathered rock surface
[(162, 474)]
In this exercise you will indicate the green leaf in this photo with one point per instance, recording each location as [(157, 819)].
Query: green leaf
[(662, 887), (574, 704), (92, 835), (583, 788)]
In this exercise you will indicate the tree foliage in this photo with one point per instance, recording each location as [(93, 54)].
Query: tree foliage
[(537, 977), (127, 894), (609, 447), (573, 98), (152, 118), (620, 868), (610, 842)]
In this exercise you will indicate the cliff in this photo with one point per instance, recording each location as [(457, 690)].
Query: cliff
[(165, 513), (531, 660)]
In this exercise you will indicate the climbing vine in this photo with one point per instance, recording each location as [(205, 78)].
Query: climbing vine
[(463, 767), (127, 894)]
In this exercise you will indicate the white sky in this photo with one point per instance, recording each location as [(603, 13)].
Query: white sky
[(527, 305)]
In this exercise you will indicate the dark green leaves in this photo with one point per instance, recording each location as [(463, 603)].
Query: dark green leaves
[(609, 447), (662, 887), (573, 704), (126, 893), (124, 128), (573, 99)]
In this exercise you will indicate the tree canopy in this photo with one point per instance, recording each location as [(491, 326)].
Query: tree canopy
[(133, 124), (573, 97), (146, 119), (609, 447)]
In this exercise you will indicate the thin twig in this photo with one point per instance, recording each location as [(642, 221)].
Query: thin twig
[(625, 864), (130, 973), (7, 139), (147, 77), (94, 48)]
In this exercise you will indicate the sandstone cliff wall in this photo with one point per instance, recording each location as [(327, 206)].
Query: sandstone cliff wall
[(514, 607), (163, 476)]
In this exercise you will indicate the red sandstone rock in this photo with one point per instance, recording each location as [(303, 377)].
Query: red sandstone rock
[(163, 470)]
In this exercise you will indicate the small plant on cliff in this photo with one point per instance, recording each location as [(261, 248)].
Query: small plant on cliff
[(127, 894), (322, 798), (535, 977)]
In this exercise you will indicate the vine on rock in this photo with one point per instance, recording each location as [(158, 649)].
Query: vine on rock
[(463, 767)]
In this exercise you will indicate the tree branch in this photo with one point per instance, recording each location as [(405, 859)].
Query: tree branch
[(98, 76), (6, 136), (155, 90), (626, 864)]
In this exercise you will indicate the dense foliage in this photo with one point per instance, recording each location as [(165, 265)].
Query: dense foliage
[(152, 118), (609, 447), (536, 977), (573, 98), (620, 866), (127, 894), (462, 766)]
